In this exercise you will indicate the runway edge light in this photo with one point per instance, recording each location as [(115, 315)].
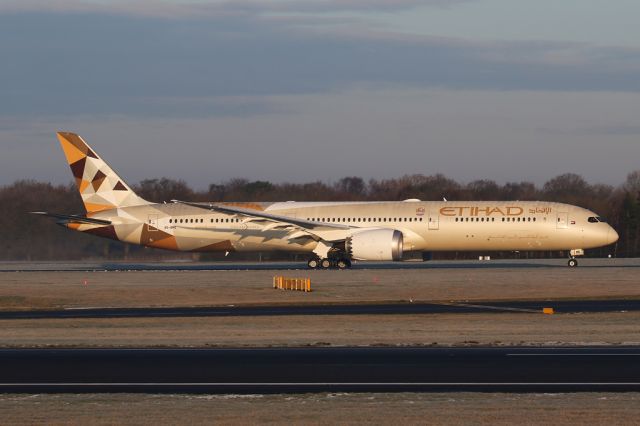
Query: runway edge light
[(548, 311)]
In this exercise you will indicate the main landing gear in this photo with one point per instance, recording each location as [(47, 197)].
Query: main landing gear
[(573, 262), (317, 263), (329, 256)]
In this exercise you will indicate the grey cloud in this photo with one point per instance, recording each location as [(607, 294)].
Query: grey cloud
[(619, 129), (150, 8), (613, 130), (622, 130), (332, 6), (70, 64)]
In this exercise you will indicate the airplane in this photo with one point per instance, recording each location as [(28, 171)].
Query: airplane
[(333, 234)]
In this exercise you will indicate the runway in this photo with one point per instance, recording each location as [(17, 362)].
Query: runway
[(285, 370), (559, 306), (89, 266)]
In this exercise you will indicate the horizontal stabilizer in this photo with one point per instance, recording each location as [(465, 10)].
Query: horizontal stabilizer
[(74, 218)]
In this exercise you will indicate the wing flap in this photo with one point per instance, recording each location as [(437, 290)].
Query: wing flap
[(301, 223), (331, 232)]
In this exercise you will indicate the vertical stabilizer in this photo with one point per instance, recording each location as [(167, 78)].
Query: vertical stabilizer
[(100, 187)]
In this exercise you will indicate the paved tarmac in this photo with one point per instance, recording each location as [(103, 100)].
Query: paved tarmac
[(88, 266), (522, 369), (535, 306)]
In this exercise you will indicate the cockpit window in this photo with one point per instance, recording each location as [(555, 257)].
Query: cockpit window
[(596, 219)]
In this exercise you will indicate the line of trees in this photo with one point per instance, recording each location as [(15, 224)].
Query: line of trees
[(26, 237)]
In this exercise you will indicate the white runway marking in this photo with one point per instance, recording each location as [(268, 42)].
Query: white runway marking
[(573, 354)]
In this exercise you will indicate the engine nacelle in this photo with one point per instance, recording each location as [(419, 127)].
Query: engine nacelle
[(375, 244)]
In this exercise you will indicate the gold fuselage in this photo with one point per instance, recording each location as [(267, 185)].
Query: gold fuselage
[(425, 225)]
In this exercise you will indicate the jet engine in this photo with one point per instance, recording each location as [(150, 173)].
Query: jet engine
[(375, 244)]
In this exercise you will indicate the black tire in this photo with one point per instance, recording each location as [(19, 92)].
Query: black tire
[(343, 263), (313, 263), (325, 263), (572, 262)]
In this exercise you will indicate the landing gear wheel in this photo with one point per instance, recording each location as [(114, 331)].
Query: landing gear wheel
[(313, 263), (325, 263), (343, 263), (573, 262)]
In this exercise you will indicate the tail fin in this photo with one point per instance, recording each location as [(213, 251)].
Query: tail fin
[(100, 187)]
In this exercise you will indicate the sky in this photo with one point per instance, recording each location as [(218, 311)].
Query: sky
[(297, 91)]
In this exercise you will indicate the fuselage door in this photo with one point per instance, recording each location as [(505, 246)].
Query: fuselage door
[(434, 220), (562, 220), (152, 222)]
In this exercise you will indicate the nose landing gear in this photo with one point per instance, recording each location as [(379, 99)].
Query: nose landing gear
[(573, 262)]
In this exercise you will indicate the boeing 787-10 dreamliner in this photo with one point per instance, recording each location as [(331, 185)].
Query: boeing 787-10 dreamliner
[(332, 233)]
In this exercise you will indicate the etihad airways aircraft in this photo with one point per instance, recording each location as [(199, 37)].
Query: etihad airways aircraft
[(332, 233)]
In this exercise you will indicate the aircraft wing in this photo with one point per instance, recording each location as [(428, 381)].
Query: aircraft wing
[(324, 231), (74, 218)]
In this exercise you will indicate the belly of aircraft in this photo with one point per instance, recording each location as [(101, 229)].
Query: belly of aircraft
[(240, 240)]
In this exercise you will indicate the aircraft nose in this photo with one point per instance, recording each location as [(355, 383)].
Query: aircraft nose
[(612, 236)]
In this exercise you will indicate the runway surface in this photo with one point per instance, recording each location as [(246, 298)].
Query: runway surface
[(536, 306), (550, 369), (267, 266)]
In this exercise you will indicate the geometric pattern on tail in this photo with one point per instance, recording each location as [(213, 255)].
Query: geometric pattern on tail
[(99, 186)]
